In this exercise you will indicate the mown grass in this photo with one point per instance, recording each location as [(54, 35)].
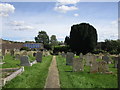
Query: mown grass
[(33, 76), (10, 61), (69, 79)]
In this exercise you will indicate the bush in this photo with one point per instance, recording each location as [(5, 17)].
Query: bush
[(25, 48), (97, 51), (61, 49)]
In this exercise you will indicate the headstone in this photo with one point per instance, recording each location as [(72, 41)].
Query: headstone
[(1, 57), (3, 52), (78, 64), (81, 55), (89, 58), (100, 55), (63, 54), (103, 67), (30, 53), (115, 60), (24, 53), (12, 52), (24, 61), (106, 58), (94, 67), (69, 58), (39, 56), (17, 57)]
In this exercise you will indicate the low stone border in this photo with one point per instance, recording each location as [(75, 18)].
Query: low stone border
[(34, 62), (13, 75)]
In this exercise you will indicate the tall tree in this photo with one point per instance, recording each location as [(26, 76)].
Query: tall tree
[(42, 37), (67, 40), (83, 38), (53, 40)]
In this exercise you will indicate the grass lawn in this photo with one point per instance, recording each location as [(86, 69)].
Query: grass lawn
[(10, 61), (69, 79), (33, 76)]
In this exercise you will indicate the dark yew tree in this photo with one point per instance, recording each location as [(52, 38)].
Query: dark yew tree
[(67, 40), (83, 38)]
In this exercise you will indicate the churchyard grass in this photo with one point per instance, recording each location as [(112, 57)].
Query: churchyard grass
[(10, 61), (33, 76), (69, 79)]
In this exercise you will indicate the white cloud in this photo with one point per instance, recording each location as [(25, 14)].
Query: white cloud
[(64, 8), (5, 9), (62, 5), (115, 23), (18, 23), (68, 1), (76, 14), (25, 28)]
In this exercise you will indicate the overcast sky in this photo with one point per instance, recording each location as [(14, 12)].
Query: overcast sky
[(21, 21)]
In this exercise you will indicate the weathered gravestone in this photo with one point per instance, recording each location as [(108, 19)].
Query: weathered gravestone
[(39, 56), (3, 52), (1, 60), (63, 54), (89, 59), (103, 67), (106, 58), (81, 55), (78, 64), (69, 58), (94, 67), (12, 52), (93, 64), (30, 53), (1, 57), (17, 57), (115, 60), (24, 53), (24, 61)]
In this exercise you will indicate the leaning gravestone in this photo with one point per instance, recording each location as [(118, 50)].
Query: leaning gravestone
[(78, 64), (39, 56), (103, 67), (24, 61), (69, 58)]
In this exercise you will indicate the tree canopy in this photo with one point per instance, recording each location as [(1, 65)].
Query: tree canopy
[(42, 37), (83, 38), (53, 40)]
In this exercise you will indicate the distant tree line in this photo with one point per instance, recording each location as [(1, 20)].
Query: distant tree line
[(48, 42), (111, 46)]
